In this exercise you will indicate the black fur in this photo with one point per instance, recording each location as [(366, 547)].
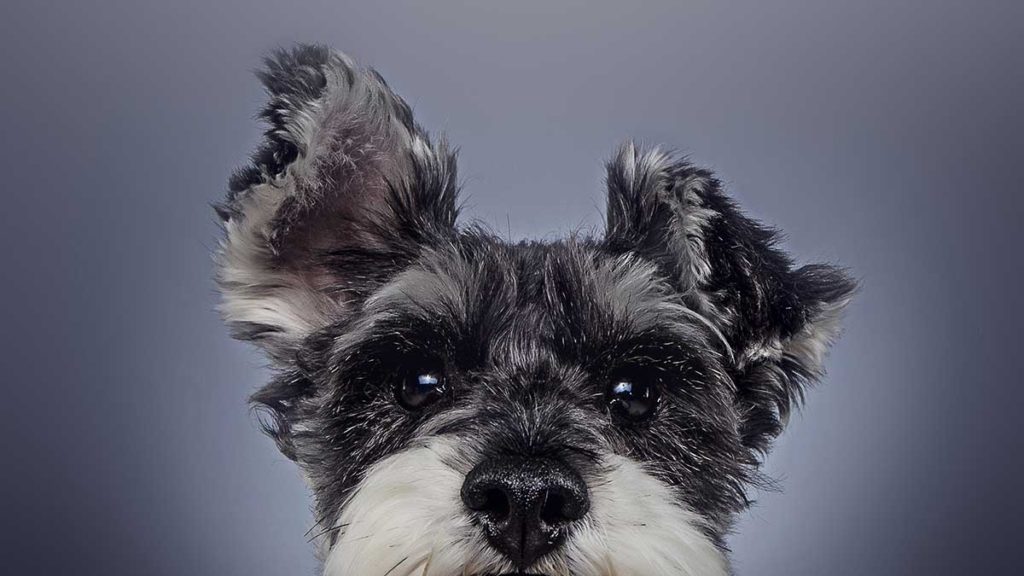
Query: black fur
[(683, 289)]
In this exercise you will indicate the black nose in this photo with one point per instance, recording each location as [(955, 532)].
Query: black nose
[(525, 504)]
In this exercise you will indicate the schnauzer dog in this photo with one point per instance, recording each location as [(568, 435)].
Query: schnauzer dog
[(464, 405)]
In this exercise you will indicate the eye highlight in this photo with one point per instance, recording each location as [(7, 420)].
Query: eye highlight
[(420, 388), (632, 397)]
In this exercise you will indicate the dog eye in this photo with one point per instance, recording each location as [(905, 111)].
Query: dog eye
[(632, 398), (418, 389)]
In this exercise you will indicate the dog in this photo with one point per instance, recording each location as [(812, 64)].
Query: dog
[(465, 405)]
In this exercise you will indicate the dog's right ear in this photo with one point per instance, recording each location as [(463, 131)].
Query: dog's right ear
[(345, 191)]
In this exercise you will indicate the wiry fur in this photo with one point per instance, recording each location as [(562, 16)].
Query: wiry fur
[(342, 258)]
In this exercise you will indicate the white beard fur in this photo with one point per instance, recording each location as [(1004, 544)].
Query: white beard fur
[(406, 518)]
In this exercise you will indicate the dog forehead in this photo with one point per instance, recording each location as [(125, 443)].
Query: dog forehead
[(563, 284)]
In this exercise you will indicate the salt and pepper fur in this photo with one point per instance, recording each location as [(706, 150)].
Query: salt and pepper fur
[(344, 261)]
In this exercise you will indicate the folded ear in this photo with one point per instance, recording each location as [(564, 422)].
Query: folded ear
[(777, 321), (345, 190)]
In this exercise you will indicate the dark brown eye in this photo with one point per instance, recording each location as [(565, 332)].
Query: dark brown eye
[(418, 389), (632, 398)]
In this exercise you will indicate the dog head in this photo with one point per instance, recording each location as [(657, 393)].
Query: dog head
[(464, 405)]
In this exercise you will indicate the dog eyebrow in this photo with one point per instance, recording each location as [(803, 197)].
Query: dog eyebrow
[(444, 298), (711, 328)]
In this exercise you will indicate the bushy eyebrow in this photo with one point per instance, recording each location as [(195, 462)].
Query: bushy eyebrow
[(661, 346), (600, 302), (585, 307), (445, 300)]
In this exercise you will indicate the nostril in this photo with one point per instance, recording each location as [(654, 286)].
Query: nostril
[(495, 504), (563, 505), (551, 512), (483, 493)]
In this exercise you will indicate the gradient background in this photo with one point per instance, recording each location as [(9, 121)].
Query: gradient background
[(884, 135)]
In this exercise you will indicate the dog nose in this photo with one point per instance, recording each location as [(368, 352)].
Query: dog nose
[(525, 504)]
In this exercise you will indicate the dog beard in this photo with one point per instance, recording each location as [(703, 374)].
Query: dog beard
[(406, 519)]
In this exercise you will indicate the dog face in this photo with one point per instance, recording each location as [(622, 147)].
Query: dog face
[(463, 405)]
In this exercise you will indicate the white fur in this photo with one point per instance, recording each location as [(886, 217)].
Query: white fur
[(258, 293), (636, 528), (406, 518)]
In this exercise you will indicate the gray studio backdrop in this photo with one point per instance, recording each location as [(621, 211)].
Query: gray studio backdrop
[(884, 135)]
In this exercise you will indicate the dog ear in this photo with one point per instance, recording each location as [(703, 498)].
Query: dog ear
[(778, 321), (345, 190)]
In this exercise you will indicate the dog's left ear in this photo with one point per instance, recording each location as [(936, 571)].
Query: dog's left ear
[(778, 320), (345, 191)]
